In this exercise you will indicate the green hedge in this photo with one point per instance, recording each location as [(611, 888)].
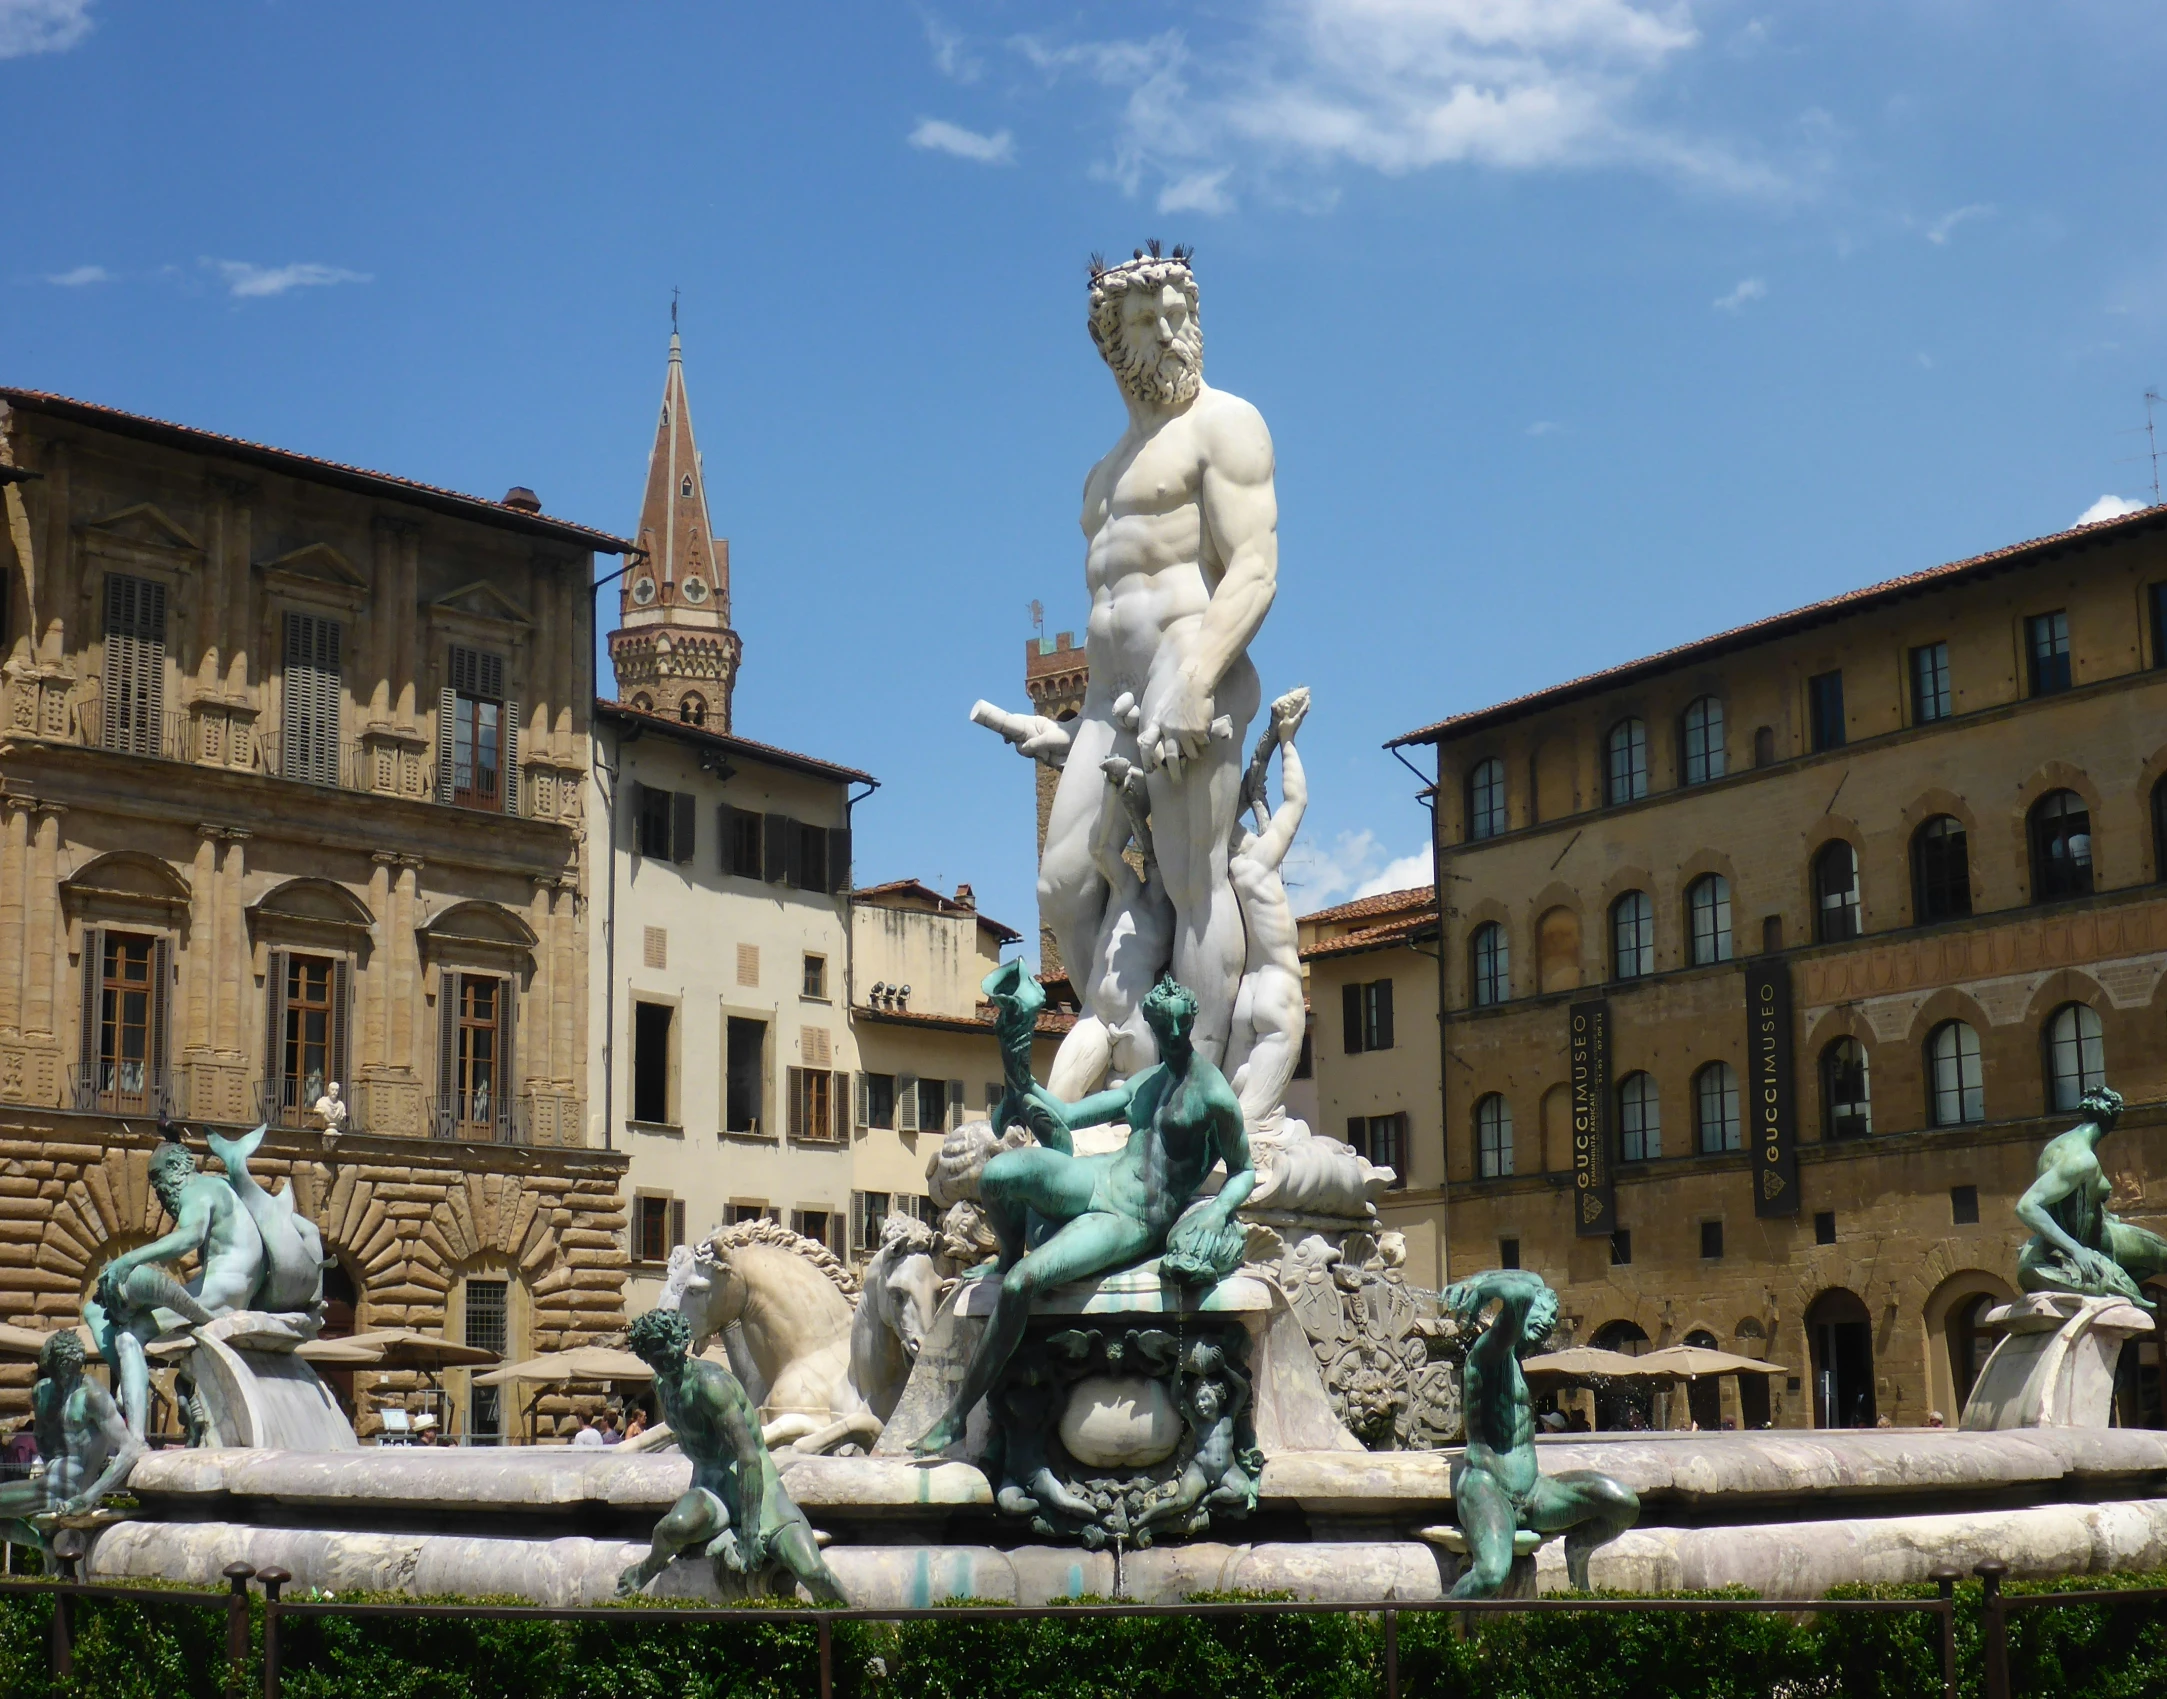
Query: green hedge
[(148, 1650)]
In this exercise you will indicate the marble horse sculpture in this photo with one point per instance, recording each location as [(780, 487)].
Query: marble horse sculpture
[(1499, 1492), (791, 1304), (83, 1439), (900, 1292), (736, 1510), (1098, 1214)]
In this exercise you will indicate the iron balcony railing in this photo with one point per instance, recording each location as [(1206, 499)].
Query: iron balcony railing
[(121, 1088)]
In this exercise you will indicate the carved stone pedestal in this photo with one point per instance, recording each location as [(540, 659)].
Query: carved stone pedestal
[(253, 1391), (2054, 1367)]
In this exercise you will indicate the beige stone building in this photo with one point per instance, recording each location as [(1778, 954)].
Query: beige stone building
[(291, 766), (1770, 962)]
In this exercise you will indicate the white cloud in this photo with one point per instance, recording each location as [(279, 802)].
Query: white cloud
[(79, 276), (1200, 191), (41, 26), (1544, 428), (951, 55), (250, 282), (940, 136), (1749, 289), (1356, 865), (1940, 230), (1402, 85), (2109, 507)]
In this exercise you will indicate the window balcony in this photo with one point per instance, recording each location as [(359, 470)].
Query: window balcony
[(121, 1088)]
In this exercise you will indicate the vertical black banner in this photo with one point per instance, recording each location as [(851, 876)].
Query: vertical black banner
[(1771, 1104), (1595, 1198)]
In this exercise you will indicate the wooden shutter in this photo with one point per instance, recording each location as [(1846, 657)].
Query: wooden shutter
[(1350, 1011), (1358, 1134), (310, 700), (858, 1099), (447, 721), (447, 1043), (793, 855), (677, 1223), (955, 1105), (795, 1125), (135, 664), (1382, 990), (681, 828), (636, 794), (811, 873), (511, 758), (906, 1103), (838, 859), (161, 1005), (725, 837), (342, 980), (778, 843), (507, 1082), (274, 1033), (86, 1048)]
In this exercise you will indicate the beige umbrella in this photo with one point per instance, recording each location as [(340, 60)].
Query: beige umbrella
[(587, 1362), (395, 1348), (29, 1341), (1586, 1362), (1692, 1361)]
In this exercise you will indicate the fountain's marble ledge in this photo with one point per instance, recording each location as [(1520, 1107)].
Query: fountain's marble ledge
[(1131, 1292)]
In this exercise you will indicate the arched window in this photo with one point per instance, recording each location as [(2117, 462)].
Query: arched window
[(1640, 1119), (1715, 1110), (1940, 870), (692, 709), (1846, 1107), (1632, 936), (1493, 1137), (1626, 770), (684, 487), (1492, 962), (1486, 799), (1836, 893), (2076, 1055), (2061, 834), (1956, 1087), (1708, 906), (644, 703), (1700, 740)]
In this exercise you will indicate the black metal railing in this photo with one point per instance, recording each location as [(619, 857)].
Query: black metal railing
[(503, 1122), (121, 1088)]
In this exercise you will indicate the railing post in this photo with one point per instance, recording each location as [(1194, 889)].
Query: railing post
[(1946, 1577), (237, 1577), (68, 1546), (1994, 1628), (827, 1658), (273, 1579), (1391, 1655)]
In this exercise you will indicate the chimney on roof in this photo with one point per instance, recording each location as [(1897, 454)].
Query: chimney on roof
[(966, 898), (522, 499)]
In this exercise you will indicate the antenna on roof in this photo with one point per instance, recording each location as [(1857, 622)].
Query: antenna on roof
[(673, 311)]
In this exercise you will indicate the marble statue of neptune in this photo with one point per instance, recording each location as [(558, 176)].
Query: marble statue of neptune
[(1181, 560)]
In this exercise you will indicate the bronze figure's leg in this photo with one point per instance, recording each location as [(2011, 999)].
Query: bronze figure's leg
[(694, 1520), (1486, 1517), (1590, 1509)]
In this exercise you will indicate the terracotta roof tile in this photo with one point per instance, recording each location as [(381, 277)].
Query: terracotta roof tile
[(1384, 902), (1780, 625), (675, 727), (1386, 935)]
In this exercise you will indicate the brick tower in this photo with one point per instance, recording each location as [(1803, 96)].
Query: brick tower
[(1056, 675), (674, 652)]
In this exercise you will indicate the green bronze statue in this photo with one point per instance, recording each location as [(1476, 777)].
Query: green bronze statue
[(2076, 1246), (1498, 1487), (736, 1510), (1061, 1217), (85, 1442)]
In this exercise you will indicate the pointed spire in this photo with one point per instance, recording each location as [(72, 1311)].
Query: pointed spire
[(683, 584)]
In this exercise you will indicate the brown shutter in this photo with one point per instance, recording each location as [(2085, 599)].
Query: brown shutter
[(161, 1006), (86, 1049), (511, 758), (507, 1086), (682, 831), (1383, 990), (779, 836), (859, 1119), (906, 1103), (1358, 1134), (310, 700), (725, 836), (955, 1105), (838, 859), (637, 796), (447, 719), (795, 1126), (135, 664), (274, 1034), (342, 979), (1350, 1014), (677, 1223), (447, 1042)]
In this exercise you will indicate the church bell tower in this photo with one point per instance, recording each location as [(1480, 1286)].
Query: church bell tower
[(674, 652)]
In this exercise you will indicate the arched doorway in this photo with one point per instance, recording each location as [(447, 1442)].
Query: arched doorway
[(1957, 1340), (1626, 1406), (1842, 1336), (1704, 1393)]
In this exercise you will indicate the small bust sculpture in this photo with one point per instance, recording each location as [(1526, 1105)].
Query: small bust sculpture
[(331, 1109)]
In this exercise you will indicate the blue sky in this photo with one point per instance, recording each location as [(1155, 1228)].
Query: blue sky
[(1583, 327)]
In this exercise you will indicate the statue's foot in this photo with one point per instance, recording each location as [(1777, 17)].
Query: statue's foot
[(629, 1583), (939, 1437)]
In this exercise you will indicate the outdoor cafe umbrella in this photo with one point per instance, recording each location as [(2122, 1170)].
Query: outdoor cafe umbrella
[(554, 1368), (394, 1348), (1588, 1362), (1693, 1361)]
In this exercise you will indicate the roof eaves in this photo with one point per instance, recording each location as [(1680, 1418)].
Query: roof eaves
[(729, 742)]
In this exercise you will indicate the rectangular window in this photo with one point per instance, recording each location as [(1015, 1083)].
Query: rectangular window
[(879, 1110), (1711, 1240), (1930, 699), (135, 665), (741, 834), (305, 1059), (744, 1209), (817, 1225), (1382, 1139), (311, 700), (1508, 1253), (128, 991), (812, 1105), (662, 823), (1305, 1065), (867, 1211), (1824, 1227), (477, 728), (745, 1090), (1964, 1206), (1366, 1015), (651, 1024), (488, 1328), (2046, 646), (933, 1105), (659, 1226), (1824, 710), (1621, 1248), (816, 977), (480, 1016)]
